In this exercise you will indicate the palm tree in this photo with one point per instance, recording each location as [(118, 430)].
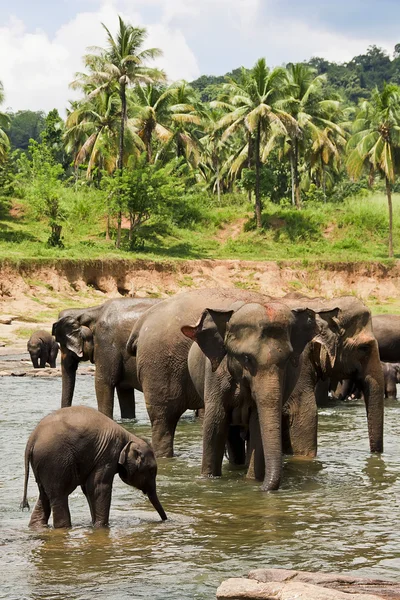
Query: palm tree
[(325, 154), (92, 132), (122, 64), (375, 143), (4, 123), (254, 101), (186, 115), (313, 114), (151, 117)]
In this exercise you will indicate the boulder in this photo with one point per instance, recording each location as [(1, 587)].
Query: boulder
[(250, 589)]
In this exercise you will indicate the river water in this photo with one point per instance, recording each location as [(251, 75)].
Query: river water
[(338, 512)]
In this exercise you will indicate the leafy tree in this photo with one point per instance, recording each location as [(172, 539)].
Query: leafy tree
[(143, 190), (24, 125), (52, 137), (40, 179), (375, 143)]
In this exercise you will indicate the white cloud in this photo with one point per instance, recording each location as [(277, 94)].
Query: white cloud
[(36, 69), (218, 35)]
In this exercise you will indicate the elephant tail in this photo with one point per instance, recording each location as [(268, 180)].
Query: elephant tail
[(28, 453)]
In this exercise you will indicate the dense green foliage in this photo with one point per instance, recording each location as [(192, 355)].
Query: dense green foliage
[(140, 162)]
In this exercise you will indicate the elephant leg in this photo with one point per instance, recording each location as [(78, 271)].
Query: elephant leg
[(35, 362), (236, 446), (41, 513), (126, 399), (60, 510), (104, 394), (163, 432), (98, 490), (300, 424), (43, 360), (390, 387), (215, 433)]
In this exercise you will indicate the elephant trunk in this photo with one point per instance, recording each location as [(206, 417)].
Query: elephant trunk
[(152, 496), (267, 393), (374, 390), (68, 372)]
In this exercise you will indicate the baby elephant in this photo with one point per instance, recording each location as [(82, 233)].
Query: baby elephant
[(391, 373), (81, 446), (42, 347)]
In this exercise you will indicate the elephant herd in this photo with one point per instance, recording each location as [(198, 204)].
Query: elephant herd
[(257, 366)]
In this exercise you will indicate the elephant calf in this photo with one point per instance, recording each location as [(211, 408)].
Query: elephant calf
[(43, 349), (80, 446), (391, 373)]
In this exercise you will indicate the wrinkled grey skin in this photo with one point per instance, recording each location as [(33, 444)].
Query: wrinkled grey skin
[(391, 373), (43, 349), (100, 334), (79, 446), (162, 352), (387, 332), (239, 363), (357, 357)]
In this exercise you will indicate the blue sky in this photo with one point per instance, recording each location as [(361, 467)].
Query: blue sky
[(42, 41)]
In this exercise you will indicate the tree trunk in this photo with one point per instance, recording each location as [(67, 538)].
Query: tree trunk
[(292, 177), (389, 198), (296, 173), (121, 154), (218, 185), (258, 195), (122, 93), (324, 182)]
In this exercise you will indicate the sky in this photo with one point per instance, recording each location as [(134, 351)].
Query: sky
[(42, 41)]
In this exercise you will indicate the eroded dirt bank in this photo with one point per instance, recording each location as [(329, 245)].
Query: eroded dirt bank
[(33, 292), (120, 277)]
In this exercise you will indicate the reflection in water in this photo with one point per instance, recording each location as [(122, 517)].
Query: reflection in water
[(338, 512)]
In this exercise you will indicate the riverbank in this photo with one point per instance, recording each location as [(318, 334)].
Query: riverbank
[(32, 292)]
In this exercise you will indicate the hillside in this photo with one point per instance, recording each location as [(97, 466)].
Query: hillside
[(355, 229)]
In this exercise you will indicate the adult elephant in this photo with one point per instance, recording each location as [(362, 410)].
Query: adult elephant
[(357, 358), (100, 334), (387, 332), (260, 337)]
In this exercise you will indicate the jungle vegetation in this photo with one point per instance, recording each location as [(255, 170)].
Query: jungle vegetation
[(139, 162)]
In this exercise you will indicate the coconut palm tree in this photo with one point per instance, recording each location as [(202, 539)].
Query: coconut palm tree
[(186, 114), (325, 154), (122, 64), (375, 143), (313, 113), (254, 101)]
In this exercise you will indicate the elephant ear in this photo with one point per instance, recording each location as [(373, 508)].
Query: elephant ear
[(68, 334), (209, 333), (130, 458), (327, 337)]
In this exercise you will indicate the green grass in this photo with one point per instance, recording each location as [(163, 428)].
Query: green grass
[(355, 230)]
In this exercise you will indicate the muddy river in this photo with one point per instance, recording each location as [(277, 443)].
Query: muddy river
[(339, 512)]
